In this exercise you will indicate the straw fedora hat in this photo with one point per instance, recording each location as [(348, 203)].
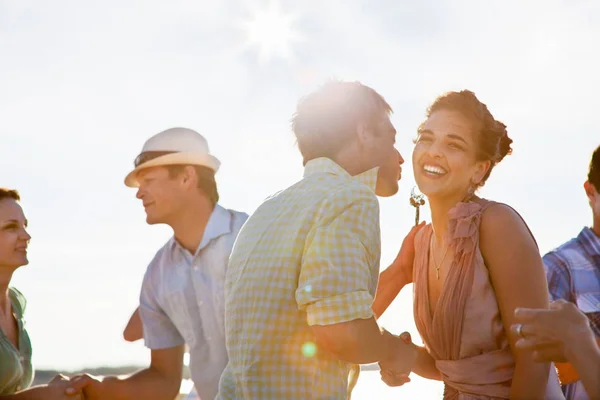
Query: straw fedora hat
[(175, 146)]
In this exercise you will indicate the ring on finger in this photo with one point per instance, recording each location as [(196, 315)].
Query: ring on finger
[(519, 330)]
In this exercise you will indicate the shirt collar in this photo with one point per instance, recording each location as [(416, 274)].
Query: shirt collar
[(328, 166), (590, 240), (219, 224)]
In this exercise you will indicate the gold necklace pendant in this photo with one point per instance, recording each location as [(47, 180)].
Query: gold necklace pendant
[(435, 264)]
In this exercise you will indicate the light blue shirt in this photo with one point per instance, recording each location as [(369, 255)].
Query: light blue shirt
[(182, 299)]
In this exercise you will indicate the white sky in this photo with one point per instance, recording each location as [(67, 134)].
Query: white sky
[(83, 84)]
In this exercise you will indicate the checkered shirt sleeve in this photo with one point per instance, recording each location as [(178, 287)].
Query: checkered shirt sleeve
[(336, 277)]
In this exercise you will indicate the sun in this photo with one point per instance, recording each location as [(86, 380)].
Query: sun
[(271, 31)]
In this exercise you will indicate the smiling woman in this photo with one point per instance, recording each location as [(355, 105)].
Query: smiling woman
[(466, 261), (271, 31), (16, 370)]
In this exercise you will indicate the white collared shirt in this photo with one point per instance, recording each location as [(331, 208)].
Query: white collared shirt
[(181, 300)]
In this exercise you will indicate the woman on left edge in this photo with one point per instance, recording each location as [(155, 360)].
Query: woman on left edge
[(16, 370)]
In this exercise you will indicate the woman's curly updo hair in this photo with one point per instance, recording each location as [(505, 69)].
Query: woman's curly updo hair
[(491, 138), (9, 194)]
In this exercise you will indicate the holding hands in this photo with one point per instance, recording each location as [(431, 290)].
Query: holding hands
[(395, 371), (80, 387), (59, 388)]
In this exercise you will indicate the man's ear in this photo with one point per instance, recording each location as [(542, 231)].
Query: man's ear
[(362, 133), (590, 191), (188, 175)]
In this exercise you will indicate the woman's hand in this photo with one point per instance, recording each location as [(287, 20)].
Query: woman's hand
[(392, 378)]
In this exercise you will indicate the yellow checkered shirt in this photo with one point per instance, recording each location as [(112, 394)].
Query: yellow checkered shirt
[(309, 255)]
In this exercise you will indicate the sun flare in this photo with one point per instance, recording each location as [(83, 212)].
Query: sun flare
[(271, 31)]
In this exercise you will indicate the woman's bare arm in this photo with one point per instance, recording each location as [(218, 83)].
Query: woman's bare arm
[(390, 284), (397, 275), (517, 275)]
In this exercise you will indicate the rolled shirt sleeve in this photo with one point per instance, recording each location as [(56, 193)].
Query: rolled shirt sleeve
[(340, 264)]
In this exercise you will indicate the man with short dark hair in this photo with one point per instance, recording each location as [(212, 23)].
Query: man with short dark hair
[(573, 272), (181, 300), (304, 269)]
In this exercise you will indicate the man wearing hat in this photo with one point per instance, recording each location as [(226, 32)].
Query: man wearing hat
[(181, 301)]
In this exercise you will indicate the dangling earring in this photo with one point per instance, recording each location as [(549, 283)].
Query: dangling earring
[(470, 193), (416, 200)]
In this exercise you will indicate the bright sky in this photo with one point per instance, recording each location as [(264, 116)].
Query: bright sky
[(84, 84)]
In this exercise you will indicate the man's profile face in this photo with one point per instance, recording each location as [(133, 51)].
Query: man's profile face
[(160, 194), (388, 157)]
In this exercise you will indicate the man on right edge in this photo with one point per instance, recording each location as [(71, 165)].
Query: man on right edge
[(573, 272), (304, 269)]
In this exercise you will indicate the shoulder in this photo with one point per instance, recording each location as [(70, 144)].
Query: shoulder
[(565, 249), (238, 218), (18, 300), (352, 193), (501, 222), (160, 258), (500, 213), (503, 231), (559, 257), (554, 257), (352, 202)]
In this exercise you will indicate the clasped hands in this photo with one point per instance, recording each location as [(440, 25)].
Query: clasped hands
[(396, 369), (80, 387)]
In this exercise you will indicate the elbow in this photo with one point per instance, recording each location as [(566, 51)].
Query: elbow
[(129, 336)]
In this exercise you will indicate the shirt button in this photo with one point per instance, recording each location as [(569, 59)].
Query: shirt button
[(200, 303), (196, 268)]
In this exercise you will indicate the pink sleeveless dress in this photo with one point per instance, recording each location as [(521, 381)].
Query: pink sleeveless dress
[(465, 334)]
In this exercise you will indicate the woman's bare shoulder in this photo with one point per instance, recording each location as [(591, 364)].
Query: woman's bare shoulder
[(502, 227)]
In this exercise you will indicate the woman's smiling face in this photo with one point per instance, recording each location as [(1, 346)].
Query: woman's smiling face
[(445, 160)]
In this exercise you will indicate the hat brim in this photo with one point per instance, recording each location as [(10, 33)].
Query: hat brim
[(181, 158)]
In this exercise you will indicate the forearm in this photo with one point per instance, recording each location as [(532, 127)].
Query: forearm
[(425, 365), (34, 393), (529, 380), (390, 284), (358, 342), (148, 384), (585, 357)]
